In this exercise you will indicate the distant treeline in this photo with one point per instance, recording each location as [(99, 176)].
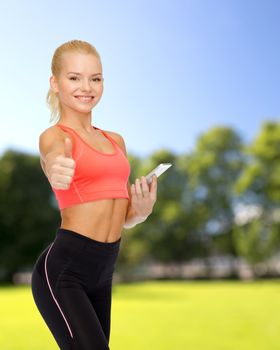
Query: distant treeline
[(222, 198)]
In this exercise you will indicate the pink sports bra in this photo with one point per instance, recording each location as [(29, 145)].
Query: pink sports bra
[(97, 175)]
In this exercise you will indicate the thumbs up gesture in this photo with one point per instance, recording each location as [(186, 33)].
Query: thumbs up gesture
[(60, 168)]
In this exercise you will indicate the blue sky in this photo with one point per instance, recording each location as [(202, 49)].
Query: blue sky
[(172, 69)]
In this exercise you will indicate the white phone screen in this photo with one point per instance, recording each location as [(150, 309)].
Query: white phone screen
[(160, 169)]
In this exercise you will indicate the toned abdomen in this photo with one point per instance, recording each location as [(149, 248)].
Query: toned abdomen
[(101, 220)]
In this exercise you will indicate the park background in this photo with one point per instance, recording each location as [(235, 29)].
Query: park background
[(194, 83)]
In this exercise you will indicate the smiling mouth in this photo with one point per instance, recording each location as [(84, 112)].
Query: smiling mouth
[(84, 98)]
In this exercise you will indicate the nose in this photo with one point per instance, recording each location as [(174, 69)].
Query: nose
[(85, 85)]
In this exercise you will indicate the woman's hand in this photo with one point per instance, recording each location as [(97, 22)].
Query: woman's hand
[(60, 168), (143, 199)]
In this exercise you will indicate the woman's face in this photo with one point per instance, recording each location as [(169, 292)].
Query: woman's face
[(80, 83)]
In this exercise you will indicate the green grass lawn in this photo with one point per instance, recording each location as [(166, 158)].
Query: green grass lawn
[(163, 315)]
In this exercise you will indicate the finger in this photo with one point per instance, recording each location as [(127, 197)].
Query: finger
[(68, 147), (66, 162), (154, 183), (60, 186), (138, 188), (62, 178), (66, 171), (63, 170), (154, 187), (132, 190), (145, 187)]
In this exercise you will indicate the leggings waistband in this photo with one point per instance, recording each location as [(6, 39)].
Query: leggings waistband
[(78, 238)]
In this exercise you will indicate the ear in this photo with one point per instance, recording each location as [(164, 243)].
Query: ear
[(53, 84)]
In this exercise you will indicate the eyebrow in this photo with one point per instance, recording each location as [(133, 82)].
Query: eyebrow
[(80, 73)]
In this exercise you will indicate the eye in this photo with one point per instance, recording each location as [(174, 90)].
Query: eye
[(75, 78)]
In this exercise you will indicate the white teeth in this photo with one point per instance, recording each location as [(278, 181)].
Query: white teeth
[(85, 98)]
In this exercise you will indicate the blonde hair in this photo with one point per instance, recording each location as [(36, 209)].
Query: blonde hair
[(52, 99)]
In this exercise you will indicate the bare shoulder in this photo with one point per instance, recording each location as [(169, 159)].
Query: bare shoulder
[(118, 138), (51, 137), (53, 133)]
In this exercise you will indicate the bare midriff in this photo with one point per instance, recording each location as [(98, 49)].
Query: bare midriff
[(101, 220)]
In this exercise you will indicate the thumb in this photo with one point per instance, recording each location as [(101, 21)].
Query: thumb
[(68, 148)]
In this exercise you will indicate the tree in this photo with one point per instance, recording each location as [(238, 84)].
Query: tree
[(259, 185), (28, 214), (213, 168)]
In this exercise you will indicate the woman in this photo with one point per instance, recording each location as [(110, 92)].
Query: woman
[(88, 171)]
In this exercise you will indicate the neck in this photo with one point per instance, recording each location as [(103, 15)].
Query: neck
[(76, 120)]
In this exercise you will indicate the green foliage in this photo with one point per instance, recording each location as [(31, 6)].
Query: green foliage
[(261, 176), (212, 169), (27, 218), (259, 184), (256, 241)]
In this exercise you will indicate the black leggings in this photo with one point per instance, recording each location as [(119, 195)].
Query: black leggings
[(72, 288)]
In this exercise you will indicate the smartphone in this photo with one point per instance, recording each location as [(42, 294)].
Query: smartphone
[(161, 168)]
